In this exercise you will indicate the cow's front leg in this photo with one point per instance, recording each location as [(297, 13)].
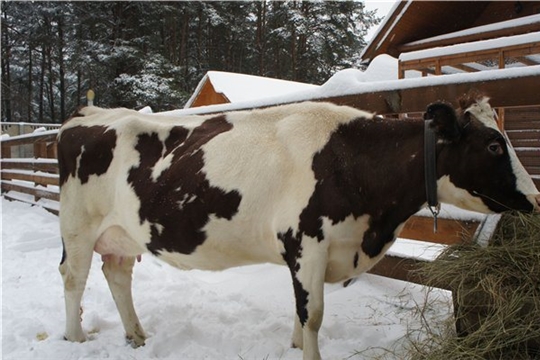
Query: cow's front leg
[(307, 264), (118, 271)]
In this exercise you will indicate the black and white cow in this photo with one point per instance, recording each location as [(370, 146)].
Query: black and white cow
[(320, 188)]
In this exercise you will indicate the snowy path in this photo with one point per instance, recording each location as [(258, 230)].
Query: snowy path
[(241, 313)]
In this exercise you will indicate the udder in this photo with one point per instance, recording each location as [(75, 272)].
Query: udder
[(115, 242)]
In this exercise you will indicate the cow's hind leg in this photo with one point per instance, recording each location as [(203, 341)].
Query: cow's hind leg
[(118, 271), (309, 314), (74, 268), (308, 270)]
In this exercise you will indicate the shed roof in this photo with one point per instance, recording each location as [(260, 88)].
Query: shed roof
[(411, 22), (241, 87)]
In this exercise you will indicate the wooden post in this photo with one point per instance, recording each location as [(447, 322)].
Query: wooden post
[(52, 150), (500, 118), (90, 95), (500, 111), (401, 72), (40, 151), (6, 151)]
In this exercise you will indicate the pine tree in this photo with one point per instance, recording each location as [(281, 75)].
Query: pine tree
[(154, 53)]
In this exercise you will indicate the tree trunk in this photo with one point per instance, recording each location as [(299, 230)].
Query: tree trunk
[(61, 68), (6, 76), (261, 35), (30, 83), (42, 85), (50, 84)]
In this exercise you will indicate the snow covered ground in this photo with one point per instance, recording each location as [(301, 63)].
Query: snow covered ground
[(241, 313)]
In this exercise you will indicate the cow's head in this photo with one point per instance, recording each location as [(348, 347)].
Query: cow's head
[(477, 167)]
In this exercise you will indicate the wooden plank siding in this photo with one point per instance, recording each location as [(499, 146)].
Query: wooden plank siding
[(523, 128), (209, 96)]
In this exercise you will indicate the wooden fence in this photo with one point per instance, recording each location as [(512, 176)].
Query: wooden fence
[(31, 179)]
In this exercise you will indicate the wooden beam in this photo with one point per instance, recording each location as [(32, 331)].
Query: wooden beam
[(415, 99), (466, 68), (449, 231), (47, 136), (46, 165), (405, 269), (44, 179), (413, 95), (525, 60), (41, 193)]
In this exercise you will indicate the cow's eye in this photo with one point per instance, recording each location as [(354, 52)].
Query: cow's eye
[(495, 148)]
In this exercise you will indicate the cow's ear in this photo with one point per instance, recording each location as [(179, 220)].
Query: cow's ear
[(444, 121)]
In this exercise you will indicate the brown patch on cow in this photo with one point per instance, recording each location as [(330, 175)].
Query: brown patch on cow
[(293, 251), (357, 175), (94, 146), (470, 98), (179, 203)]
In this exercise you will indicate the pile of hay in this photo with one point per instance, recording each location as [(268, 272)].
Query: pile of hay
[(496, 293)]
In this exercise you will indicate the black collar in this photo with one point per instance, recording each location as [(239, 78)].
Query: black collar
[(430, 171)]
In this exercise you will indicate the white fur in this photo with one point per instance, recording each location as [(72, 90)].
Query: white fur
[(266, 157)]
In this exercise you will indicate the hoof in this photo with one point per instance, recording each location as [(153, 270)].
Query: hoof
[(78, 339), (135, 342)]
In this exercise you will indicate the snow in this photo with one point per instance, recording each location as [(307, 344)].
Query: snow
[(31, 160), (146, 110), (242, 87), (385, 21), (415, 249), (359, 87), (526, 20), (241, 313), (454, 213), (39, 133), (382, 68), (472, 46), (39, 130)]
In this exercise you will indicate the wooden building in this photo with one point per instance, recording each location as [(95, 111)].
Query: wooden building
[(439, 38), (218, 87)]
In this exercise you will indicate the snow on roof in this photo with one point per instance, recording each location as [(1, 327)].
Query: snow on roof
[(386, 20), (472, 46), (526, 20), (242, 87), (350, 86), (383, 68)]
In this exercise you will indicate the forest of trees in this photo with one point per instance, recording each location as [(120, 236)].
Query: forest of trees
[(134, 54)]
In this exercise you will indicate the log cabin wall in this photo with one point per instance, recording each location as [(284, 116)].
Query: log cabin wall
[(209, 96)]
